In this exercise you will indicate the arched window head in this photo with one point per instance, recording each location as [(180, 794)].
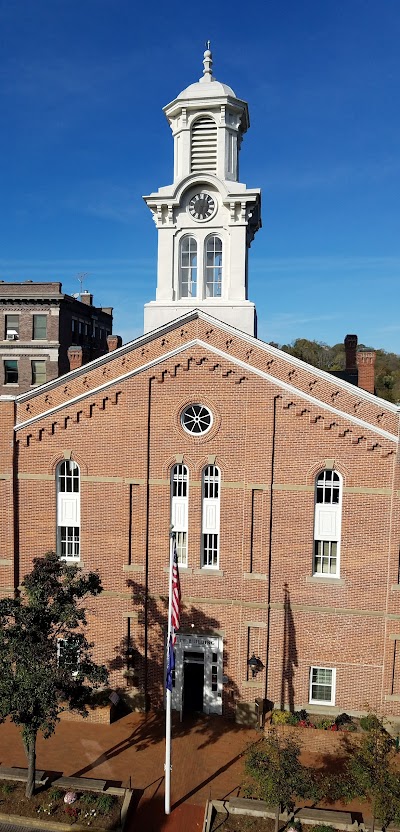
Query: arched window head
[(188, 268), (328, 487), (179, 510), (68, 476), (213, 269)]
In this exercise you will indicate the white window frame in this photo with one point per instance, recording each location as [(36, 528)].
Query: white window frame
[(210, 515), (68, 508), (326, 702), (60, 642), (215, 269), (190, 270), (180, 510), (327, 521)]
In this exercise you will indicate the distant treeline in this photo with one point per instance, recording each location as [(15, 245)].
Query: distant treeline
[(387, 365)]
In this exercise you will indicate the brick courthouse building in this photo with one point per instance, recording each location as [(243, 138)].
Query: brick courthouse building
[(281, 481)]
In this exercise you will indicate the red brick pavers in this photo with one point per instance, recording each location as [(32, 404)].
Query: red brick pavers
[(206, 762)]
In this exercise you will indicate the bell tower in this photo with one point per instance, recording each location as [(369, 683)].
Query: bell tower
[(206, 220)]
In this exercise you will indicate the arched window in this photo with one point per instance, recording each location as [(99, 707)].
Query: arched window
[(210, 516), (203, 155), (327, 523), (213, 270), (188, 268), (179, 510), (68, 509)]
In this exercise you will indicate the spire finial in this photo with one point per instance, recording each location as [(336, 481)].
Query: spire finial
[(207, 63)]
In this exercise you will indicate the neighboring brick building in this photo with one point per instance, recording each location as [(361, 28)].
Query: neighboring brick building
[(38, 323), (281, 481)]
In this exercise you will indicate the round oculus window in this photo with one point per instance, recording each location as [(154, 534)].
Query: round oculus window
[(196, 419)]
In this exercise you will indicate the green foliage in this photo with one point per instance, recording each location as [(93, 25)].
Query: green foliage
[(343, 719), (370, 722), (34, 685), (371, 770), (88, 799), (276, 769), (7, 788), (55, 794), (325, 724), (105, 803), (387, 364), (281, 717), (322, 827)]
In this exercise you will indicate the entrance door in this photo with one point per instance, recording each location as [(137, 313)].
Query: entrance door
[(193, 682)]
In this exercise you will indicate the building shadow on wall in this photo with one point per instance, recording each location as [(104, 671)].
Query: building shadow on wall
[(289, 653)]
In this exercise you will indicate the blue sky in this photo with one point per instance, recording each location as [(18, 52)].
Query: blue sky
[(82, 84)]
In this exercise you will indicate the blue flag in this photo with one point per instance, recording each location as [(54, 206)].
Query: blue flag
[(170, 666)]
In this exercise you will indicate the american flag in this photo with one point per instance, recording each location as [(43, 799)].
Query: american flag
[(176, 598)]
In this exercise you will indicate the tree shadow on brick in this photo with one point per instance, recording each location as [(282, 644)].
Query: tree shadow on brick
[(289, 653)]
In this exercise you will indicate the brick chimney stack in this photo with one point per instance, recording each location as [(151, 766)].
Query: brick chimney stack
[(366, 370), (350, 346), (75, 357), (87, 298), (113, 342)]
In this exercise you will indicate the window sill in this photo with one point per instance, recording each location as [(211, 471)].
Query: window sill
[(215, 573), (72, 562), (183, 570), (318, 704), (255, 576), (330, 581)]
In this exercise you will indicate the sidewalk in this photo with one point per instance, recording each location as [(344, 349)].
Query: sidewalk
[(206, 762)]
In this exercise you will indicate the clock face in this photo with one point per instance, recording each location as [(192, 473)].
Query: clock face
[(201, 206)]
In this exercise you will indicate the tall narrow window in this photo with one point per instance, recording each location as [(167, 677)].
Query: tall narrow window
[(38, 372), (210, 517), (10, 371), (68, 510), (213, 270), (12, 327), (179, 510), (327, 522), (39, 330), (188, 268)]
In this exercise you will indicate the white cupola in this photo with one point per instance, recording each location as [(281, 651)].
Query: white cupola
[(206, 220)]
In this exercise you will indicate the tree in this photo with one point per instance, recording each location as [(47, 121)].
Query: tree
[(46, 664), (279, 776), (372, 774)]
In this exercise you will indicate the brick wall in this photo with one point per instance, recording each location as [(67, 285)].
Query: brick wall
[(269, 446)]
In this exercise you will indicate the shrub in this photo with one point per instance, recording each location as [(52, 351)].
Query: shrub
[(55, 794), (302, 714), (105, 803), (7, 788), (325, 724), (343, 719), (370, 722), (280, 717), (293, 719), (71, 811), (88, 799), (348, 726)]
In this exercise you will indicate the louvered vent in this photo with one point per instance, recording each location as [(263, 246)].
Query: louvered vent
[(204, 145)]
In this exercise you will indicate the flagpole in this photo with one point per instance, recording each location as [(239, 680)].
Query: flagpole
[(168, 705)]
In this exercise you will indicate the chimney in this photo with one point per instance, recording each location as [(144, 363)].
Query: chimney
[(113, 342), (366, 370), (87, 298), (75, 357), (350, 346)]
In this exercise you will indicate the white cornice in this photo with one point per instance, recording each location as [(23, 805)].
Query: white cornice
[(197, 342), (356, 392)]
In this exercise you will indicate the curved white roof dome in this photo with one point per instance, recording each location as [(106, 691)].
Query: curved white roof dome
[(208, 86)]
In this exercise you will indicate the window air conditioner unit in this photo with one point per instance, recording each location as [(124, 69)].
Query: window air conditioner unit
[(12, 335)]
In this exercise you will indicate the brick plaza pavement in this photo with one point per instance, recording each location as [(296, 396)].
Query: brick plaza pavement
[(207, 762)]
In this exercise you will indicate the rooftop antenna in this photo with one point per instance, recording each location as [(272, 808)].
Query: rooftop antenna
[(81, 277)]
